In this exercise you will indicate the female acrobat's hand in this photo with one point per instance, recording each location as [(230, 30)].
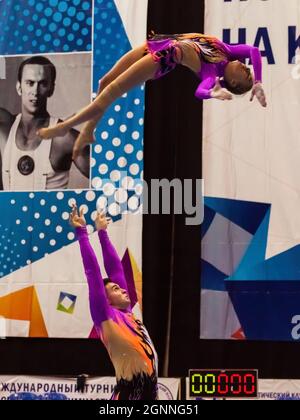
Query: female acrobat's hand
[(258, 91), (102, 221), (218, 92), (77, 219)]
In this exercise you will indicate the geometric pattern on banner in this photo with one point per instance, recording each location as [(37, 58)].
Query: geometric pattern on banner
[(118, 151), (236, 214), (23, 305), (37, 224), (255, 254), (131, 12), (238, 228), (258, 166), (238, 335), (268, 290), (66, 303), (212, 278), (246, 214), (133, 277), (224, 244), (134, 283), (40, 26), (267, 310), (214, 325), (265, 293), (138, 280)]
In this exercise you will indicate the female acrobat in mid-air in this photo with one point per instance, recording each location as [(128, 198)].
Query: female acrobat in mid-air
[(219, 66)]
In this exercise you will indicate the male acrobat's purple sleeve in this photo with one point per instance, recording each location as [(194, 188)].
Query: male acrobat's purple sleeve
[(112, 263), (100, 309)]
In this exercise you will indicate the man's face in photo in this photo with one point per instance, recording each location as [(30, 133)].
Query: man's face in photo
[(35, 88)]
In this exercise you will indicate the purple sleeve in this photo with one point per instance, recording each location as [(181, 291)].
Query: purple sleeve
[(99, 307), (208, 75), (112, 263), (242, 51)]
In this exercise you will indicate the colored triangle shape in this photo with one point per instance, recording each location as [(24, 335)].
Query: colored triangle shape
[(255, 253), (131, 12), (138, 279), (93, 333), (17, 305), (23, 305), (129, 274), (245, 214), (239, 335)]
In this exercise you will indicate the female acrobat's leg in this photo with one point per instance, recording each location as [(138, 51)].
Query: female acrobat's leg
[(138, 73), (87, 133)]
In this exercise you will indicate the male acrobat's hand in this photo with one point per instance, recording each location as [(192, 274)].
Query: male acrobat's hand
[(102, 222), (77, 219)]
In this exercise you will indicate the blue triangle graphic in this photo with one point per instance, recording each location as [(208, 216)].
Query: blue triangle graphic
[(245, 214)]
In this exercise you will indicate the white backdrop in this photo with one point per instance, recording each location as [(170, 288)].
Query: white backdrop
[(252, 154)]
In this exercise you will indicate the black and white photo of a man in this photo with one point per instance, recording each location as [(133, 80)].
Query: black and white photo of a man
[(28, 162)]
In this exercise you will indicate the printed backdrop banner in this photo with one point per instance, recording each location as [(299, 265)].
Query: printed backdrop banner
[(52, 56), (250, 243), (28, 387)]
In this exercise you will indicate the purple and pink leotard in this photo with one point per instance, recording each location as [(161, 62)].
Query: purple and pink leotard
[(125, 337), (213, 53)]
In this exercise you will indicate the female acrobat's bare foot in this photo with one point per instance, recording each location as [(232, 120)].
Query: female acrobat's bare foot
[(58, 130)]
